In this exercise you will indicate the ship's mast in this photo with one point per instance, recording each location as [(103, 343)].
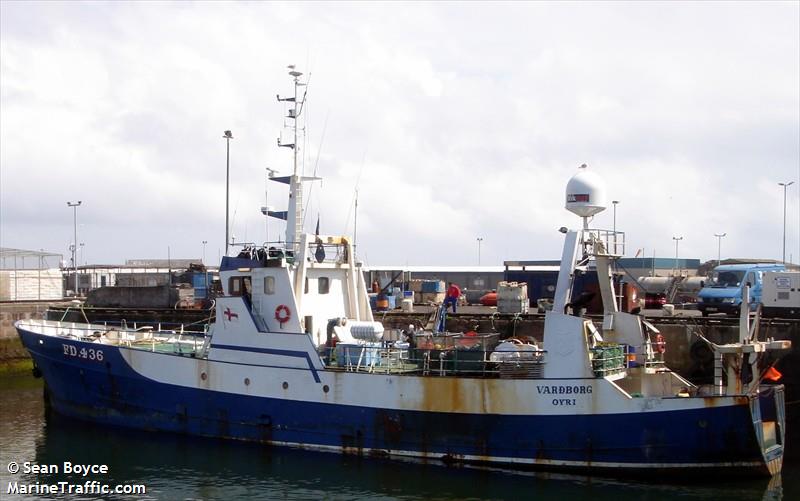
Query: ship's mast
[(355, 223), (294, 215)]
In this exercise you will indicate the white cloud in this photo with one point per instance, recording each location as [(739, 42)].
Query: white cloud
[(462, 120)]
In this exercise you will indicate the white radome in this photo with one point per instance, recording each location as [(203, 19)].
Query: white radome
[(586, 193)]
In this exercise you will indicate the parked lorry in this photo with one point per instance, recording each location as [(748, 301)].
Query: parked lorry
[(722, 293), (781, 295)]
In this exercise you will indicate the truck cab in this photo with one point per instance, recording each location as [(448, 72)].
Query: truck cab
[(722, 293)]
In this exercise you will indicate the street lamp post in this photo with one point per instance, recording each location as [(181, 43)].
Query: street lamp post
[(615, 202), (677, 239), (719, 247), (74, 246), (205, 271), (480, 239), (228, 136), (785, 185)]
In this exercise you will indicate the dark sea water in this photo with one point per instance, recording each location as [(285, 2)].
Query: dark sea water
[(176, 467)]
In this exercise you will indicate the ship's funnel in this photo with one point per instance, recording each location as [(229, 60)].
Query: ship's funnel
[(586, 193)]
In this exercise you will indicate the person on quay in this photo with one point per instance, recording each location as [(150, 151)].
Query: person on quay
[(453, 293)]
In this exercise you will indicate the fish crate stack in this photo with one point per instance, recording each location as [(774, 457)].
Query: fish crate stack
[(471, 353), (431, 351), (186, 295), (512, 297), (453, 353), (427, 291), (607, 359)]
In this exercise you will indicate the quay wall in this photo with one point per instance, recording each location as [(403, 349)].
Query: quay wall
[(11, 349)]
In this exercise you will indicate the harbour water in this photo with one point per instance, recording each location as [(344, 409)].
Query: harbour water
[(177, 467)]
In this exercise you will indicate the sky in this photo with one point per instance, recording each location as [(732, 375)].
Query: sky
[(453, 121)]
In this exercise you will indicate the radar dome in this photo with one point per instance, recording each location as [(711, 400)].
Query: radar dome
[(586, 193)]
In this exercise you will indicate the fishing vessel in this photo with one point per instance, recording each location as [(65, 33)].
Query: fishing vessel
[(295, 358)]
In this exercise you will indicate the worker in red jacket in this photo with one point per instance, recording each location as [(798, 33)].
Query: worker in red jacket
[(453, 293)]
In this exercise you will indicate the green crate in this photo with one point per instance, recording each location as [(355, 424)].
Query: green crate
[(607, 359)]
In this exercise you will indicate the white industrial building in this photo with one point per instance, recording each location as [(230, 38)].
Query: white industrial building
[(27, 275)]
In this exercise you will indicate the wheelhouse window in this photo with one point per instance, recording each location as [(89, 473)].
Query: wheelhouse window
[(238, 286), (323, 285), (235, 286), (269, 285)]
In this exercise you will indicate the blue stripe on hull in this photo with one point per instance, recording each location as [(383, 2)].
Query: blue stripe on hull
[(110, 392)]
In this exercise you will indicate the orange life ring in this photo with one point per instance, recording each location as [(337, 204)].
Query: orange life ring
[(282, 313), (661, 344)]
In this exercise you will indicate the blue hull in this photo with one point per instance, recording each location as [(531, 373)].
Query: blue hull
[(111, 392)]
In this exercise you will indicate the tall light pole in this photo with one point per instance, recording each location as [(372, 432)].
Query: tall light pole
[(719, 247), (204, 251), (615, 202), (785, 185), (614, 232), (228, 136), (480, 239), (677, 239), (74, 246)]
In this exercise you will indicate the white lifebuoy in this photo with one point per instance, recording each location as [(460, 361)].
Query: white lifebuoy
[(282, 313)]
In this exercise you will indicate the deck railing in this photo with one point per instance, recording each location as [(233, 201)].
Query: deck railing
[(613, 242), (171, 338), (474, 362)]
